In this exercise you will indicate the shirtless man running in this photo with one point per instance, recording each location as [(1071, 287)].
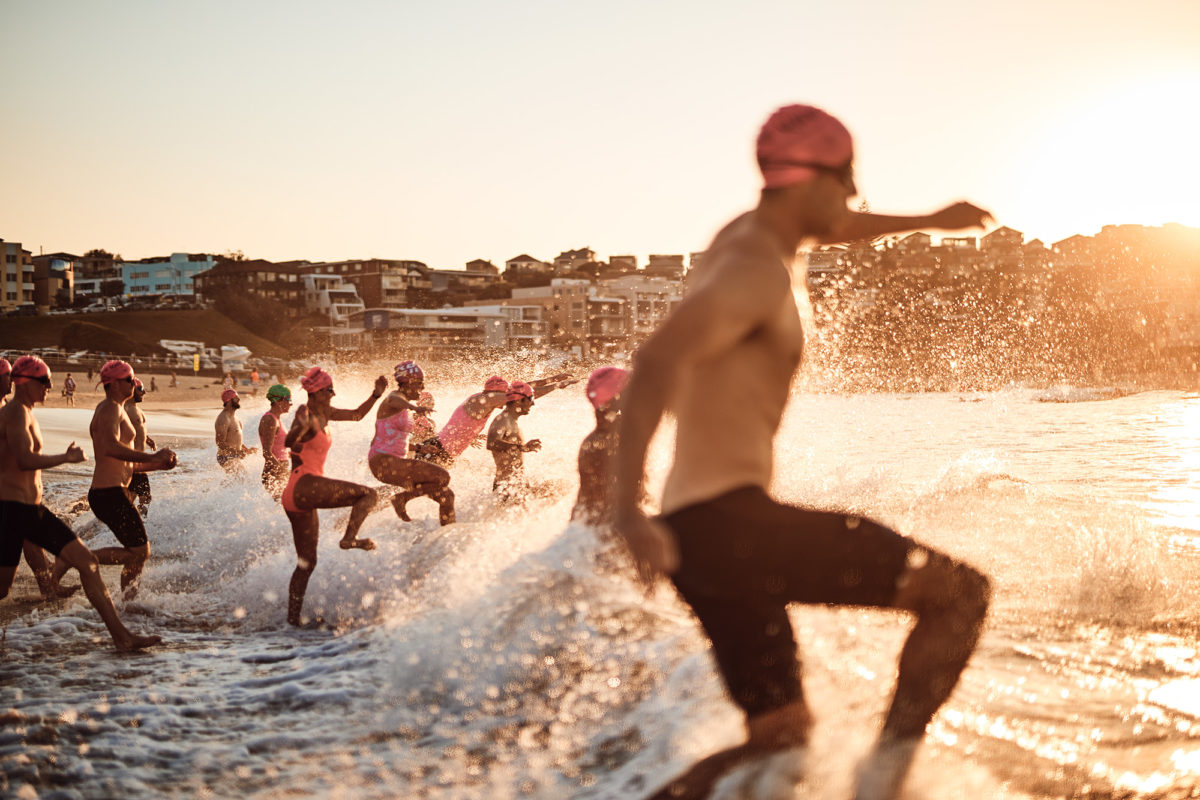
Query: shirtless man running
[(737, 556), (22, 515), (231, 447), (139, 483), (116, 462), (597, 478)]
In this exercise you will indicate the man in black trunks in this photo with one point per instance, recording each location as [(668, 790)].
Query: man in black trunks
[(737, 556), (23, 518), (139, 482), (116, 461)]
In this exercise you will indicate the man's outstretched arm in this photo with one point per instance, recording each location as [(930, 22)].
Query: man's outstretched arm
[(869, 226)]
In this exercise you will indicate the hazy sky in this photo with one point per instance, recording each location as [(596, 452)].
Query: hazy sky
[(452, 130)]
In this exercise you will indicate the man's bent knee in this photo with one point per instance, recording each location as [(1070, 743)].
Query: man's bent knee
[(935, 581)]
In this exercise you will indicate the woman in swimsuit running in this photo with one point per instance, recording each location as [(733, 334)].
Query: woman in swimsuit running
[(388, 456), (308, 489)]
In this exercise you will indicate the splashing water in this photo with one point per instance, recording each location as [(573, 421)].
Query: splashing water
[(500, 657)]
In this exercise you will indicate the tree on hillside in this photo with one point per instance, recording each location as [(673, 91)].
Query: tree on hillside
[(262, 316)]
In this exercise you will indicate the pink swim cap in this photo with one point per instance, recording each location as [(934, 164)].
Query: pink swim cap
[(407, 370), (5, 367), (29, 368), (115, 371), (606, 383), (495, 384), (518, 390), (315, 380), (425, 401), (796, 136), (227, 395), (137, 384)]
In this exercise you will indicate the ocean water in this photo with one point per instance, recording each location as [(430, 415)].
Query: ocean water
[(500, 657)]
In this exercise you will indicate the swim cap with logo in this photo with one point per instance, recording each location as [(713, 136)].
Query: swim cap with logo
[(604, 384), (407, 370), (315, 380), (115, 371), (279, 392), (797, 138), (227, 395), (30, 368), (495, 384)]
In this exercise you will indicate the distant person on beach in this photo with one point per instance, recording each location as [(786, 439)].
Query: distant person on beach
[(308, 489), (231, 448), (389, 458), (597, 477), (69, 390), (508, 447), (737, 556), (465, 425), (174, 380), (254, 381), (271, 436), (139, 482), (111, 500), (227, 381), (23, 518), (153, 384)]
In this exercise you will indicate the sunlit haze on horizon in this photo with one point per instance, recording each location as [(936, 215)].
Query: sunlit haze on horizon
[(461, 130)]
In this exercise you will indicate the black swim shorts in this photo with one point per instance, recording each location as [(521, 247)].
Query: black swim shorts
[(139, 485), (114, 507), (21, 521), (745, 557)]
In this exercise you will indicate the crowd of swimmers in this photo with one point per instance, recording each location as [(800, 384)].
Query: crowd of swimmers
[(736, 556), (407, 454)]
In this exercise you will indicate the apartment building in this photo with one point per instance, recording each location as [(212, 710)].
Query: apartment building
[(647, 301), (54, 280), (161, 277), (379, 282), (281, 282), (16, 276), (332, 297)]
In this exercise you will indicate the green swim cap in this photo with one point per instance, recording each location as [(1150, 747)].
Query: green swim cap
[(279, 392)]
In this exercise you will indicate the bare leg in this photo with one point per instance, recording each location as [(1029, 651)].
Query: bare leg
[(418, 479), (7, 574), (767, 733), (304, 533), (48, 584), (316, 491), (950, 600), (131, 559), (77, 556)]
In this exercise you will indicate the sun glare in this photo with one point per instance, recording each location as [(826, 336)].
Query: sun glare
[(1127, 154)]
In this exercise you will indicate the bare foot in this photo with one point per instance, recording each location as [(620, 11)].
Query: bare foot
[(314, 624), (356, 544), (399, 502), (136, 642)]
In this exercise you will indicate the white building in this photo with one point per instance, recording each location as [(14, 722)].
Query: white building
[(331, 296)]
